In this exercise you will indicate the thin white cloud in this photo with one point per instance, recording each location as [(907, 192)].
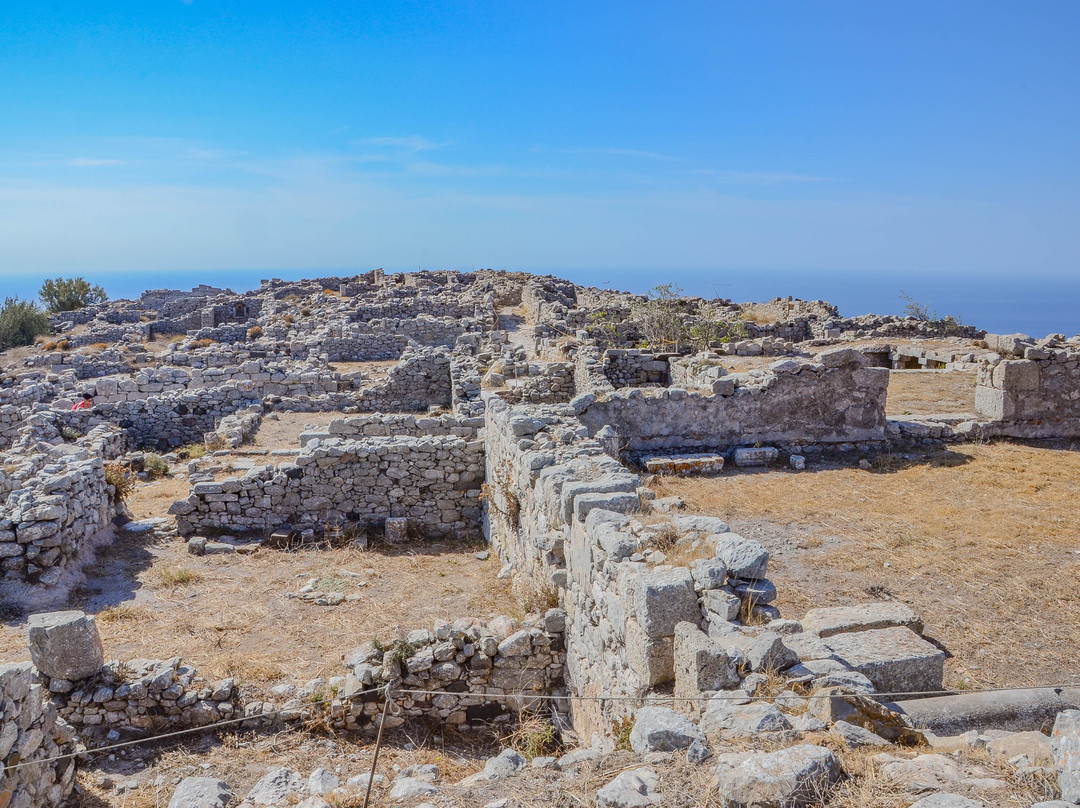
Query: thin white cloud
[(414, 143), (94, 161)]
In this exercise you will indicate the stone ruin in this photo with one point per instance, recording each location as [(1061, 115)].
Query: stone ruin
[(535, 438)]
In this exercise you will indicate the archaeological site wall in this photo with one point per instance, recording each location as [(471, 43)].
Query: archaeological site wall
[(434, 482), (32, 733), (56, 503), (1035, 397), (835, 399)]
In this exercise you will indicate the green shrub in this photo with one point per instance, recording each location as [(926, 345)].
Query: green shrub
[(21, 321), (68, 294), (156, 466)]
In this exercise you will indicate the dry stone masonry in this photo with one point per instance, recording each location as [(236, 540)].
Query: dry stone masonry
[(521, 408)]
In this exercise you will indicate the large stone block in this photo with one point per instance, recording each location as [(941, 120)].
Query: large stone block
[(745, 558), (660, 729), (842, 619), (1065, 743), (701, 665), (65, 645), (1016, 374), (791, 778), (896, 660), (662, 600)]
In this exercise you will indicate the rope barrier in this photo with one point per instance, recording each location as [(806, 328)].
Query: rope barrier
[(530, 696)]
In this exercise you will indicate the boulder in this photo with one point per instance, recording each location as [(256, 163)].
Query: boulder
[(1065, 743), (834, 704), (506, 764), (65, 645), (636, 788), (945, 800), (743, 720), (745, 558), (201, 792), (276, 787), (660, 729), (796, 777)]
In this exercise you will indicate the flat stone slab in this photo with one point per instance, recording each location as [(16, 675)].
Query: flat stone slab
[(756, 456), (683, 465), (866, 616), (896, 660)]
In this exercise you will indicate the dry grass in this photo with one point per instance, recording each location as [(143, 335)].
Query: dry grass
[(176, 577), (914, 392), (981, 541)]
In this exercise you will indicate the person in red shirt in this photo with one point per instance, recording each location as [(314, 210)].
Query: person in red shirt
[(86, 403)]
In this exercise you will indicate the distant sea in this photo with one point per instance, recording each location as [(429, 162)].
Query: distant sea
[(1029, 303)]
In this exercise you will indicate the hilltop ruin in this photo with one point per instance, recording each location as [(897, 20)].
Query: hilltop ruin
[(530, 417)]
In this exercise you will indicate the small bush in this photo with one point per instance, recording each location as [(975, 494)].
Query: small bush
[(254, 332), (68, 294), (289, 319), (156, 466), (535, 736), (64, 345), (202, 343), (99, 346), (192, 451), (122, 480), (70, 434), (21, 322)]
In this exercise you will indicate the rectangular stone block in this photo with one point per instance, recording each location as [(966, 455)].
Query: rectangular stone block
[(896, 660), (826, 622)]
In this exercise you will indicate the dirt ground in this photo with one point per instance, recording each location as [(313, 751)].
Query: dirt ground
[(929, 392), (981, 540), (229, 614)]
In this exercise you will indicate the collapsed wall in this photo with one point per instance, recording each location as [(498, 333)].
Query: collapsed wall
[(433, 481), (831, 400)]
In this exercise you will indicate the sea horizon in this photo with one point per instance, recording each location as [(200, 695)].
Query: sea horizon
[(1036, 305)]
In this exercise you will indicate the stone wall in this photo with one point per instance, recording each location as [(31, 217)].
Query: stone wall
[(836, 399), (434, 482), (1035, 397), (630, 367), (56, 505), (478, 671), (168, 420), (30, 730), (142, 695)]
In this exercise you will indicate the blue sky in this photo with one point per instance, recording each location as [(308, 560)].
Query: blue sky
[(820, 137)]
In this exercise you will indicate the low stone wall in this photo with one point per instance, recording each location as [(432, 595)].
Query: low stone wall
[(57, 504), (30, 731), (835, 399), (1035, 397), (143, 695), (476, 670), (380, 425), (544, 478), (169, 420), (380, 339), (699, 372), (434, 482), (629, 367), (235, 430), (589, 376)]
